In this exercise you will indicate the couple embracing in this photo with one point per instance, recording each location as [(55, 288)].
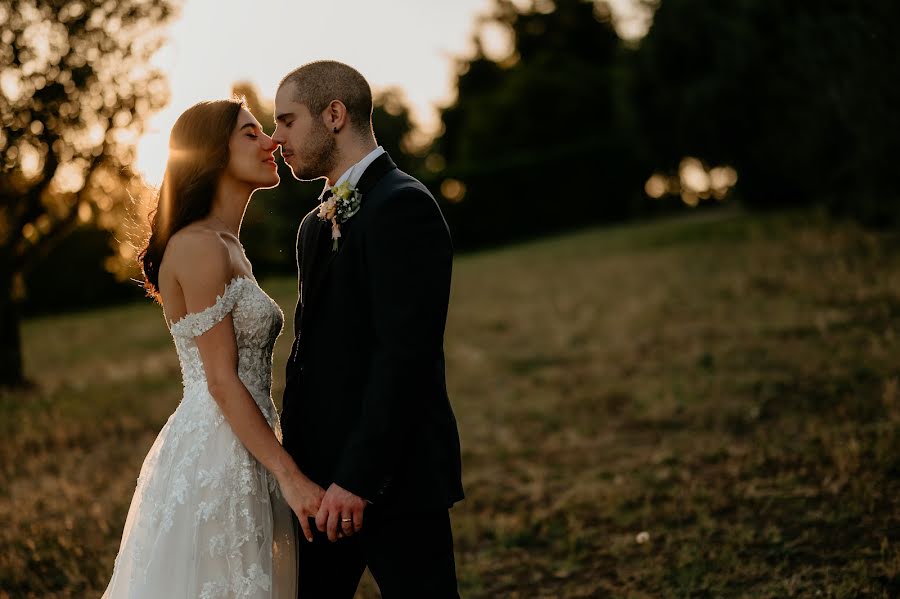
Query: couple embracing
[(363, 464)]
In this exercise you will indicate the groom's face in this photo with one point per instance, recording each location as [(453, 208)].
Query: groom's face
[(306, 144)]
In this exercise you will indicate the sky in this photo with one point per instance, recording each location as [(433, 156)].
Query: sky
[(410, 44)]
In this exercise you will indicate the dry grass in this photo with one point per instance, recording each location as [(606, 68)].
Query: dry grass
[(728, 386)]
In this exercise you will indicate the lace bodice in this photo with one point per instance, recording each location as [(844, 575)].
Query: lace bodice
[(258, 321)]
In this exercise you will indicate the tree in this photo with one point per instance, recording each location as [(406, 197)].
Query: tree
[(76, 91), (800, 97), (394, 128), (549, 115)]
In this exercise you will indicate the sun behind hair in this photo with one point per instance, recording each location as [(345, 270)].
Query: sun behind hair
[(198, 155)]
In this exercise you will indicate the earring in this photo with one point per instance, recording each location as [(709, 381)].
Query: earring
[(335, 129)]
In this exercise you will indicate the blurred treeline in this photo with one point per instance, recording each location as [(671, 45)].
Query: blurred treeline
[(769, 103)]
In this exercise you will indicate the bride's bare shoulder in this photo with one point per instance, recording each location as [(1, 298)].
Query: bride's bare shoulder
[(196, 252)]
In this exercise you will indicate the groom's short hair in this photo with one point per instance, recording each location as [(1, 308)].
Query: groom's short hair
[(316, 84)]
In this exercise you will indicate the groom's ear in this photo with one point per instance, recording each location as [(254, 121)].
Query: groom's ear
[(335, 116)]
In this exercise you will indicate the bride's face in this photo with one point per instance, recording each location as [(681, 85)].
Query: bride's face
[(252, 153)]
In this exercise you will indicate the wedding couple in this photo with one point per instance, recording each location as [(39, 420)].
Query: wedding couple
[(364, 464)]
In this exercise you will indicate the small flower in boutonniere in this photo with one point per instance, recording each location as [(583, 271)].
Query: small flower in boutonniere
[(343, 203)]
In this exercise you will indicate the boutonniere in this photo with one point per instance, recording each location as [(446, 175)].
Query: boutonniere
[(343, 204)]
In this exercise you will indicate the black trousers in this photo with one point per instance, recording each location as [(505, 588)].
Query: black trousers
[(409, 555)]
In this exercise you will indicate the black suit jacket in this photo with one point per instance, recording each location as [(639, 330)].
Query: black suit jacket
[(365, 401)]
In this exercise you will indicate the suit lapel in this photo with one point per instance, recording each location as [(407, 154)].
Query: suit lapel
[(309, 242), (373, 174), (320, 242)]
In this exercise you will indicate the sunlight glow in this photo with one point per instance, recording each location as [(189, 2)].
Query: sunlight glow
[(699, 183), (69, 176), (694, 182), (408, 44), (496, 41), (655, 187), (11, 84), (203, 61), (30, 159), (722, 178), (453, 189), (693, 176)]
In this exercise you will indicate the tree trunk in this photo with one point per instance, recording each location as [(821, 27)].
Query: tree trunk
[(11, 374)]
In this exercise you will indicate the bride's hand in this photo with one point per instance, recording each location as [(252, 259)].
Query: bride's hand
[(304, 497)]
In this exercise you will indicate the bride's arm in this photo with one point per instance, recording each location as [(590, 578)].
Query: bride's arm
[(203, 271)]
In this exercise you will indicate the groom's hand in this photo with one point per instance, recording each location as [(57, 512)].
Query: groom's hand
[(341, 513)]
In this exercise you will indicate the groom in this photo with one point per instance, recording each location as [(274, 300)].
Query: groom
[(365, 410)]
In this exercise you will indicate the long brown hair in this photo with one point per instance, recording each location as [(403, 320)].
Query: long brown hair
[(198, 155)]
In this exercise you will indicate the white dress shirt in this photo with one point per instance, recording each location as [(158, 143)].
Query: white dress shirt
[(355, 172)]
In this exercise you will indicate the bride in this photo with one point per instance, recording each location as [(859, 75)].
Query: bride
[(211, 514)]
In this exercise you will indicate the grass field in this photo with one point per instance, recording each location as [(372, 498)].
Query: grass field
[(728, 385)]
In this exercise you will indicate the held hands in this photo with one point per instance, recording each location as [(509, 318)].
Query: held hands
[(340, 513), (304, 497)]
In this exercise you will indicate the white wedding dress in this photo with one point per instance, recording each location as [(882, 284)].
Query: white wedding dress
[(207, 520)]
